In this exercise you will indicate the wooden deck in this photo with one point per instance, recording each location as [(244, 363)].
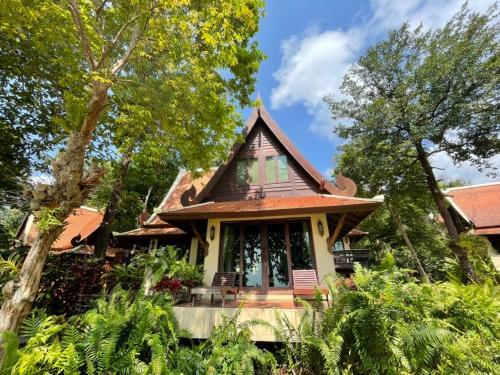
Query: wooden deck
[(204, 316), (244, 304)]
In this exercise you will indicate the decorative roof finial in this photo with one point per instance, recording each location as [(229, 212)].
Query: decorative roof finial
[(258, 101)]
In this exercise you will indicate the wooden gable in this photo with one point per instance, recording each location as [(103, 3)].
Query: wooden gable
[(263, 138), (261, 143)]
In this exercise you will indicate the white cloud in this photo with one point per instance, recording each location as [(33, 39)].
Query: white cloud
[(314, 64), (448, 171), (389, 14)]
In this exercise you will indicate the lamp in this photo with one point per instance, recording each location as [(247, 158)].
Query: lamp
[(321, 230), (212, 233)]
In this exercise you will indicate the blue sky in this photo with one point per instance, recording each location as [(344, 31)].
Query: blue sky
[(309, 46)]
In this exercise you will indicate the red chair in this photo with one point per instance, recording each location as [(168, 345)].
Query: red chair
[(306, 285)]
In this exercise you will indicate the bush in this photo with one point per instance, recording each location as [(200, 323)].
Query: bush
[(390, 324), (162, 270), (127, 333), (70, 284), (229, 350)]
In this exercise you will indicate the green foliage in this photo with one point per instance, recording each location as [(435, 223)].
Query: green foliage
[(9, 268), (153, 267), (424, 233), (479, 250), (127, 334), (419, 93), (121, 335), (416, 87), (10, 220), (389, 324), (46, 219), (69, 284), (230, 350), (10, 346), (143, 173)]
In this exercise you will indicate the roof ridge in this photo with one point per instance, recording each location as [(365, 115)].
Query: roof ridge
[(472, 186), (182, 173)]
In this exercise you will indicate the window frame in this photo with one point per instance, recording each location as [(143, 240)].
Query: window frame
[(276, 176), (265, 288), (246, 161)]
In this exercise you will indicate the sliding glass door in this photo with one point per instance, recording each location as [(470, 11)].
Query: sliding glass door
[(264, 253)]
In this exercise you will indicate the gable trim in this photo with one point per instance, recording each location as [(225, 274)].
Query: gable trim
[(181, 173), (261, 112)]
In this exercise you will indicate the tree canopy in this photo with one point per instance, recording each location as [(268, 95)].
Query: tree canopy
[(157, 75), (418, 93)]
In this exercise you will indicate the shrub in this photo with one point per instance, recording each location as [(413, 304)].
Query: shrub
[(390, 324), (229, 350), (70, 284), (162, 270)]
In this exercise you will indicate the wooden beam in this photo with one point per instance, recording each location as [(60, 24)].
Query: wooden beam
[(200, 238), (330, 241)]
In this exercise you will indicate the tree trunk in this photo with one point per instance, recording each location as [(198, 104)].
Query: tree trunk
[(439, 199), (397, 219), (67, 193), (112, 207)]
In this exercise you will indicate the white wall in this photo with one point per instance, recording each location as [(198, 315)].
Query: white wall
[(212, 259)]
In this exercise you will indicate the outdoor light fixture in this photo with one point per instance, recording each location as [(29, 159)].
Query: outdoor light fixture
[(212, 233), (321, 230)]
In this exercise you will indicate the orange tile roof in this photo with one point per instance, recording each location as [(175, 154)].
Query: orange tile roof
[(185, 187), (82, 222), (481, 205), (272, 206)]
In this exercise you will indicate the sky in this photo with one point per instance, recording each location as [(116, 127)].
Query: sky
[(310, 44)]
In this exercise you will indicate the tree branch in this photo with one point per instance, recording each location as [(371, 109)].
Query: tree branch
[(77, 19), (107, 49)]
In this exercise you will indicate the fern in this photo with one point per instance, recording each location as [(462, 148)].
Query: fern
[(10, 347)]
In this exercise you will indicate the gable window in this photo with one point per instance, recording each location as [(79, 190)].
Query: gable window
[(276, 169), (247, 171)]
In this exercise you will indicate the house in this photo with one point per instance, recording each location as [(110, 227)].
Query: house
[(263, 213), (476, 209), (80, 228)]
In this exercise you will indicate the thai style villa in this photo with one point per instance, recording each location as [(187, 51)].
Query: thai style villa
[(263, 214), (475, 209), (79, 233)]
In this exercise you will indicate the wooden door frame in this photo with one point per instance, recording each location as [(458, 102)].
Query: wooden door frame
[(265, 288)]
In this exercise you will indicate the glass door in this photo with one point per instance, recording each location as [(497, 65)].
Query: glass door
[(277, 256), (252, 256), (264, 254)]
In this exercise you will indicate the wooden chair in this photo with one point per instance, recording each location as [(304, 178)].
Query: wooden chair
[(224, 283), (305, 285)]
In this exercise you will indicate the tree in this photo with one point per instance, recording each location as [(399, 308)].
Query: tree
[(124, 189), (407, 201), (419, 93), (202, 48)]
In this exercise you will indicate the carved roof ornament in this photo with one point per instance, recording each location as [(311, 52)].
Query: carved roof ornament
[(345, 184)]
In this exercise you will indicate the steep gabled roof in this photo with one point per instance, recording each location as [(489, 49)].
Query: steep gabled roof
[(78, 226), (261, 113), (479, 204), (183, 191)]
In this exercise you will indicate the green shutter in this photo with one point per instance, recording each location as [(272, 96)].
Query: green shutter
[(253, 171), (282, 168), (241, 172), (271, 170)]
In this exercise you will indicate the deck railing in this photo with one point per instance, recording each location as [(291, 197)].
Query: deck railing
[(345, 259)]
